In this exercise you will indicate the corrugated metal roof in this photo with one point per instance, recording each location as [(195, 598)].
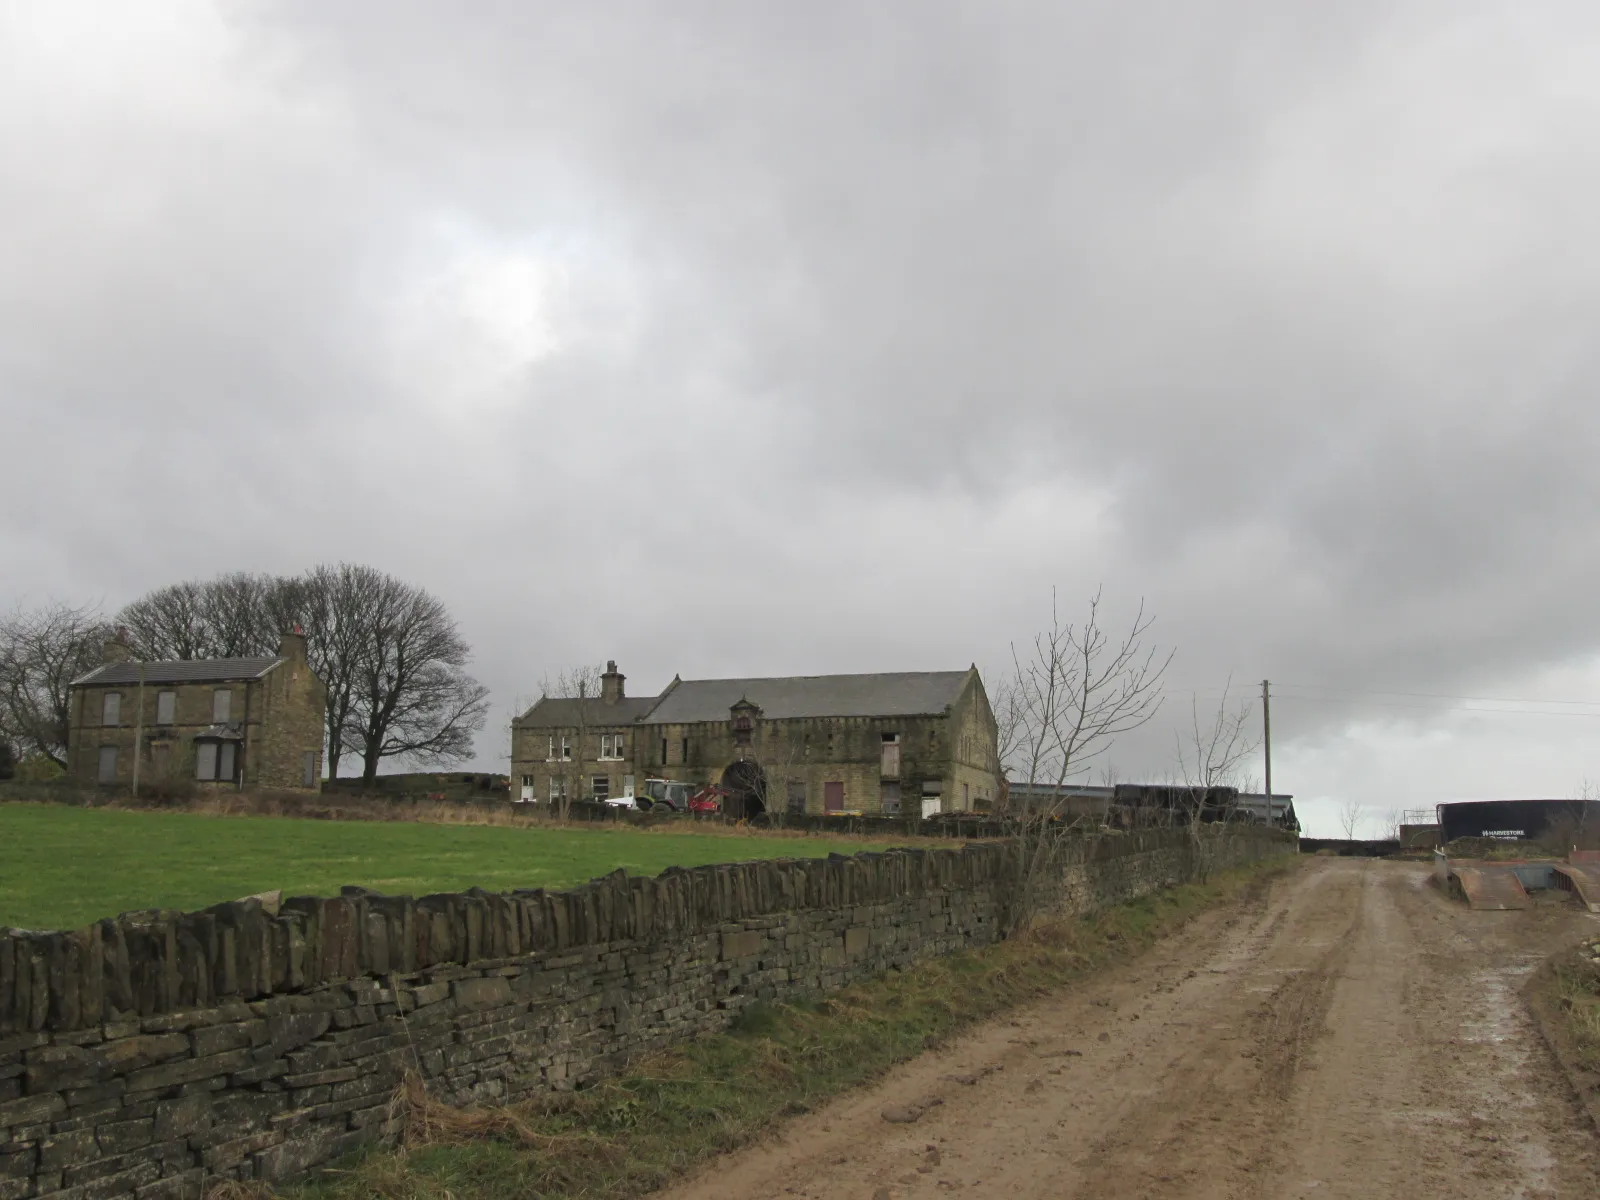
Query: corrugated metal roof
[(198, 670), (552, 713), (895, 694)]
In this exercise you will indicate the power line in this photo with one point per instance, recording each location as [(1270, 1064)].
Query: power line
[(1442, 708), (1576, 706), (1437, 695)]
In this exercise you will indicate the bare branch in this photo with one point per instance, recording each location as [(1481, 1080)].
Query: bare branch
[(41, 652)]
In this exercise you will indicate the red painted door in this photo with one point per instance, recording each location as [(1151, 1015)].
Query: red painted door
[(833, 796)]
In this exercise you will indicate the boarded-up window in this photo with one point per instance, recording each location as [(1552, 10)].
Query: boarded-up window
[(601, 786), (221, 705), (797, 796), (891, 756), (205, 760), (111, 709), (166, 708), (833, 795), (108, 764), (891, 798), (225, 761), (308, 772)]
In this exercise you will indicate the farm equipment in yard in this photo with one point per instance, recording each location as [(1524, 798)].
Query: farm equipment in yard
[(672, 795)]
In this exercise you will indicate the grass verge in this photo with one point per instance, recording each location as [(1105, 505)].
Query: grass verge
[(627, 1136), (62, 867), (1564, 995)]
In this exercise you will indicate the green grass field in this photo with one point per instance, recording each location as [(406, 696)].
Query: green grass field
[(61, 868)]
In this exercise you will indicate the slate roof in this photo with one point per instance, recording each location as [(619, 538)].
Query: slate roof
[(551, 713), (892, 694), (198, 670)]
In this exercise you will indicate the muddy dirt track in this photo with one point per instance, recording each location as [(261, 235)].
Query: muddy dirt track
[(1350, 1033)]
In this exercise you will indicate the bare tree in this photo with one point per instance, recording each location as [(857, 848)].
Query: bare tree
[(388, 652), (331, 603), (1212, 750), (237, 615), (1072, 692), (41, 652), (1211, 754), (581, 687), (1391, 825), (413, 699), (1350, 818)]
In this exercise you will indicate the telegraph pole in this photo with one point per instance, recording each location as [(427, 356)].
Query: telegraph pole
[(1266, 739)]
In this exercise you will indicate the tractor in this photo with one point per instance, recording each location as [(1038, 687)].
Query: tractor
[(671, 795)]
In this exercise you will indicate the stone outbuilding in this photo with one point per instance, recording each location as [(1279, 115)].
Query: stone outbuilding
[(902, 742), (220, 722)]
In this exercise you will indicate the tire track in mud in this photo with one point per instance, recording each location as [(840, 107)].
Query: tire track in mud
[(1213, 1127), (1324, 1041)]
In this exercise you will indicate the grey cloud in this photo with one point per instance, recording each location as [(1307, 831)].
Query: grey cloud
[(1283, 310)]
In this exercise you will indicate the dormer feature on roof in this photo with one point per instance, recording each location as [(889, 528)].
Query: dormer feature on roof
[(744, 714)]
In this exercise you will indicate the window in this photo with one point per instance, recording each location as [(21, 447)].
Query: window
[(683, 751), (225, 769), (205, 760), (566, 749), (551, 756), (611, 745), (600, 786), (308, 770), (111, 709), (743, 728), (891, 798), (663, 752), (108, 764), (527, 781), (221, 705), (558, 787), (166, 708)]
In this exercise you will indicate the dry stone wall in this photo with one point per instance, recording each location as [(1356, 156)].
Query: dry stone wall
[(147, 1055)]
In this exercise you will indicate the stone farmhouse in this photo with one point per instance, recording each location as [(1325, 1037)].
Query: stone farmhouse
[(222, 722), (908, 742)]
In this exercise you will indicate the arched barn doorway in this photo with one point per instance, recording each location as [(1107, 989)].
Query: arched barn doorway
[(746, 785)]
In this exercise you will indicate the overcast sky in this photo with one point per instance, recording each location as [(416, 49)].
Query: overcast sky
[(749, 338)]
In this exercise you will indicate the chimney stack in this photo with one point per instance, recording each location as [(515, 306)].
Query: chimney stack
[(611, 683), (293, 645), (116, 648)]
